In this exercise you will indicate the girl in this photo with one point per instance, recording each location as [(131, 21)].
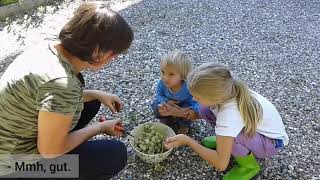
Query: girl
[(44, 108), (246, 124), (173, 104)]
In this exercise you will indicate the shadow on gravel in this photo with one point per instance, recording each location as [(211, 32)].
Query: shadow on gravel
[(35, 16), (4, 64), (32, 18)]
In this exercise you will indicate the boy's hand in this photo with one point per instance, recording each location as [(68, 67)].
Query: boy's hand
[(163, 110), (174, 110), (172, 102), (191, 114)]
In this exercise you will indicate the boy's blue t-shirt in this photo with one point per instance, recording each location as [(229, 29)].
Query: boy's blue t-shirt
[(183, 95)]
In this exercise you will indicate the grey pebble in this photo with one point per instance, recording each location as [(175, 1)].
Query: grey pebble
[(272, 45)]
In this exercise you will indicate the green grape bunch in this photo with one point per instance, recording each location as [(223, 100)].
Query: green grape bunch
[(149, 140)]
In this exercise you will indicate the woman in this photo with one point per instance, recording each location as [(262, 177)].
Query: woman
[(43, 107)]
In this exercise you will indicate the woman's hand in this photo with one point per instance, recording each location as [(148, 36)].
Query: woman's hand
[(112, 101), (176, 141), (111, 127)]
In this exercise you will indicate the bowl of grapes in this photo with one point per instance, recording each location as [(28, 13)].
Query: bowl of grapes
[(147, 140)]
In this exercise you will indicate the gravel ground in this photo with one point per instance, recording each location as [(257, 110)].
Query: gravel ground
[(273, 46)]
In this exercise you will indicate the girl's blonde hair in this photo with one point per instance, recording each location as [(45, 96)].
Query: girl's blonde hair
[(179, 61), (214, 82)]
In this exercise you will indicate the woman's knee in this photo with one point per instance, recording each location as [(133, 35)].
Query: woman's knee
[(118, 156), (90, 109), (101, 157), (92, 106), (122, 155)]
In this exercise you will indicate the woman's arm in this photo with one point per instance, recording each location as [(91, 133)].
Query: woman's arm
[(112, 101), (217, 158), (90, 95), (55, 138)]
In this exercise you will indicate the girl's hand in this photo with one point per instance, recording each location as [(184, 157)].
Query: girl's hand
[(176, 141), (112, 101), (111, 127)]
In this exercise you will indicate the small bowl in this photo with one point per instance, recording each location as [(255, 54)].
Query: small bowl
[(152, 158)]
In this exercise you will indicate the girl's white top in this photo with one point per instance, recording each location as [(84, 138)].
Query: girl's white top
[(230, 123)]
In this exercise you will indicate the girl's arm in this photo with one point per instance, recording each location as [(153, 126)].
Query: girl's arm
[(217, 158), (55, 138)]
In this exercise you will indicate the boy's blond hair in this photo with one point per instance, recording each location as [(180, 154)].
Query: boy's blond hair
[(178, 61), (214, 82)]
